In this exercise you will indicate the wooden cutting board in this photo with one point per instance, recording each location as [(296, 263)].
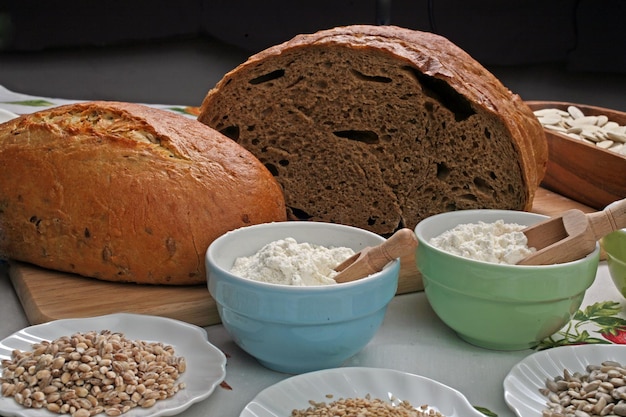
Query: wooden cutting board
[(50, 295)]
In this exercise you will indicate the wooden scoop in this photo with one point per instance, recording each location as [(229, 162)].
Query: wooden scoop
[(373, 259), (572, 235)]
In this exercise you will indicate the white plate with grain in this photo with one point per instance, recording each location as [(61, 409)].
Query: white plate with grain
[(523, 384), (205, 363), (387, 385)]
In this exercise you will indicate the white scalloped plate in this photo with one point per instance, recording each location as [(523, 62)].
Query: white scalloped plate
[(356, 382), (522, 384), (206, 364)]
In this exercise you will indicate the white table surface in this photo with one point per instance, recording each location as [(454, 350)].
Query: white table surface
[(411, 339)]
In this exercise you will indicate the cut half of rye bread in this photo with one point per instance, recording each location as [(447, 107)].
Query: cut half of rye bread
[(379, 127)]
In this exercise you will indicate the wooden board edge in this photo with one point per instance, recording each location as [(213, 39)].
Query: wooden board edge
[(34, 313), (198, 309)]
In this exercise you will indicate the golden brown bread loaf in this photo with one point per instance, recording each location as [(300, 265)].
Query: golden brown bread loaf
[(380, 126), (125, 192)]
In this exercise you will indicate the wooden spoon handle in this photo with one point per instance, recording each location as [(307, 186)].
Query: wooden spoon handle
[(399, 244), (371, 260), (612, 218)]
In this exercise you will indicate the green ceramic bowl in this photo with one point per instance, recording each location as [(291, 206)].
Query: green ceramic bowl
[(614, 245), (495, 306)]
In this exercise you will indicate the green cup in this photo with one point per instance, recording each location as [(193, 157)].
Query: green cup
[(614, 245)]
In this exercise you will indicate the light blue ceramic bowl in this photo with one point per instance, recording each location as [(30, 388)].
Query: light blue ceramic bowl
[(298, 329), (495, 306)]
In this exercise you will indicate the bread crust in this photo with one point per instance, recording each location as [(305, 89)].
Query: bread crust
[(124, 192), (432, 58)]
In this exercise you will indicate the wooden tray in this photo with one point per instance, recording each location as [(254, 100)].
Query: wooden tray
[(49, 295), (581, 171)]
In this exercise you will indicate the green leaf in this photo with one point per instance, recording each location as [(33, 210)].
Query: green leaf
[(610, 324), (486, 411), (571, 340), (188, 110), (596, 341), (32, 103), (603, 309), (549, 343), (580, 316), (178, 109)]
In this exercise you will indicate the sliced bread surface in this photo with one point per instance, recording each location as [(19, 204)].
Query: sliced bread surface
[(380, 126)]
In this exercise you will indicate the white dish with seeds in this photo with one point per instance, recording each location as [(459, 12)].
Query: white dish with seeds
[(329, 385), (206, 364), (523, 384)]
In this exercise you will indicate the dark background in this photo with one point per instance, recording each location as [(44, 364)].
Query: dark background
[(174, 51)]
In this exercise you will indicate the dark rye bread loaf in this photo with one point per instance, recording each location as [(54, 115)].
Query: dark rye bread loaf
[(125, 192), (379, 127)]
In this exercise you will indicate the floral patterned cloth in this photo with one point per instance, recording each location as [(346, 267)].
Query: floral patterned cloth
[(23, 104), (601, 318)]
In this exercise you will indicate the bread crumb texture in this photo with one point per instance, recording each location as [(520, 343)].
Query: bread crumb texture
[(380, 127), (124, 192)]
